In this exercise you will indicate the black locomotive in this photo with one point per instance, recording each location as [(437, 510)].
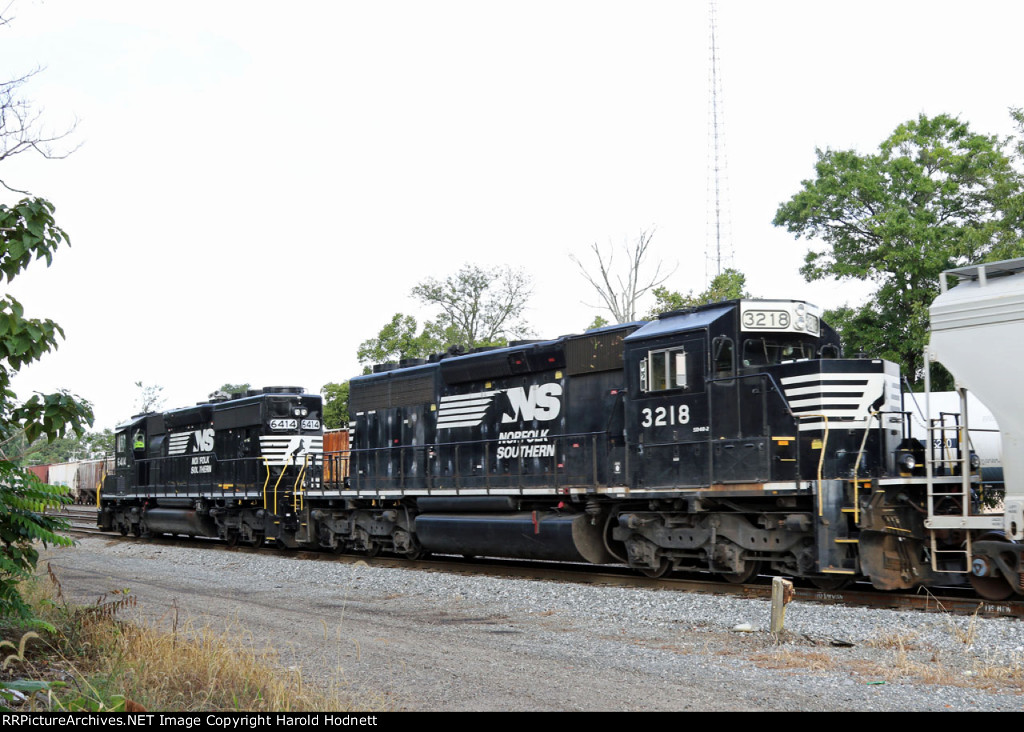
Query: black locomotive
[(236, 467), (731, 438)]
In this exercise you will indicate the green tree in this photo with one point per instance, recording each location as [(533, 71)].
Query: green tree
[(232, 389), (28, 232), (335, 405), (597, 322), (479, 307), (397, 340), (235, 388), (88, 446), (936, 195), (729, 285)]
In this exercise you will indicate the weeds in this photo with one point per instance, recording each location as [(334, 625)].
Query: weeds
[(909, 662), (968, 634), (93, 660)]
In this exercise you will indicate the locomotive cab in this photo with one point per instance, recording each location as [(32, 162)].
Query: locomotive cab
[(746, 411)]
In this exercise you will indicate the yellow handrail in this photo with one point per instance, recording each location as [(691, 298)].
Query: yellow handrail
[(297, 492), (266, 464), (821, 457), (856, 466)]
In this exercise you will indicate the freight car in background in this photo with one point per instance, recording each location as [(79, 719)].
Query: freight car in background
[(731, 438), (82, 478)]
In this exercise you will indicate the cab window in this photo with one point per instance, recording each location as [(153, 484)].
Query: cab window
[(669, 368)]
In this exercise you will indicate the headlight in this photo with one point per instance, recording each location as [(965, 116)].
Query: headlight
[(906, 462), (975, 461)]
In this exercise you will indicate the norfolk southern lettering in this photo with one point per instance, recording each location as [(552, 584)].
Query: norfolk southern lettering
[(525, 444)]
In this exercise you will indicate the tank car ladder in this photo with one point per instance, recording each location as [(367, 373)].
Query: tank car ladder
[(947, 494)]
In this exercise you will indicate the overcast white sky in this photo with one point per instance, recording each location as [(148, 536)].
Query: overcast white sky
[(260, 184)]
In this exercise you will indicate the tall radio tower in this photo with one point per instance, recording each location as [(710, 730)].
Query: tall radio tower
[(718, 247)]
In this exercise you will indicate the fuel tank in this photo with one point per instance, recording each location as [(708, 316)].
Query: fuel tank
[(526, 535)]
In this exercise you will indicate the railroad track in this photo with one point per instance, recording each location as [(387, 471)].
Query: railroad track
[(954, 600)]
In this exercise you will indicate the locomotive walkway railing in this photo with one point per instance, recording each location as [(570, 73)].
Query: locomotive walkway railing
[(559, 462), (249, 477)]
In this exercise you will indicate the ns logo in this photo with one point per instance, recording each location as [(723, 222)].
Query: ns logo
[(203, 440), (193, 441), (540, 403)]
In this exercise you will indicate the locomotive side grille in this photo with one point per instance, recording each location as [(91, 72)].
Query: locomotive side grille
[(390, 392), (602, 352), (410, 392), (459, 370), (365, 396)]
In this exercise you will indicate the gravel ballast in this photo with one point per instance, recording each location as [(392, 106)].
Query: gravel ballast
[(404, 639)]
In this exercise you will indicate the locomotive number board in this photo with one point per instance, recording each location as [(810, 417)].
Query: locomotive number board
[(784, 316)]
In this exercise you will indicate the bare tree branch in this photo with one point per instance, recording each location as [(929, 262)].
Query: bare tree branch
[(20, 127), (622, 292)]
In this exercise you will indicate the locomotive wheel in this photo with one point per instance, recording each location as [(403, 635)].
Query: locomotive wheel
[(991, 588), (232, 539), (750, 569), (257, 541), (373, 549), (655, 572)]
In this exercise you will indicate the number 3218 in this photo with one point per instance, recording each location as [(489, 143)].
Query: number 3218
[(666, 416)]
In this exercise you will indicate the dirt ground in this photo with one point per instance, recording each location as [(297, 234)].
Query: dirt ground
[(418, 643)]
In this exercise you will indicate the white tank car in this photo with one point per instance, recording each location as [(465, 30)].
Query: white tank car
[(984, 429), (977, 332)]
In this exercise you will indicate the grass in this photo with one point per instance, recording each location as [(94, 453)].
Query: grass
[(98, 659), (906, 662)]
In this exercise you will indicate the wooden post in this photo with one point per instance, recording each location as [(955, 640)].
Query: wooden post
[(782, 593)]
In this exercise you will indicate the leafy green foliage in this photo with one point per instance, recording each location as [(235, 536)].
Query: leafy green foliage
[(235, 388), (598, 322), (27, 233), (28, 688), (936, 195), (335, 405), (24, 521), (729, 285), (397, 340), (88, 446), (478, 308)]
